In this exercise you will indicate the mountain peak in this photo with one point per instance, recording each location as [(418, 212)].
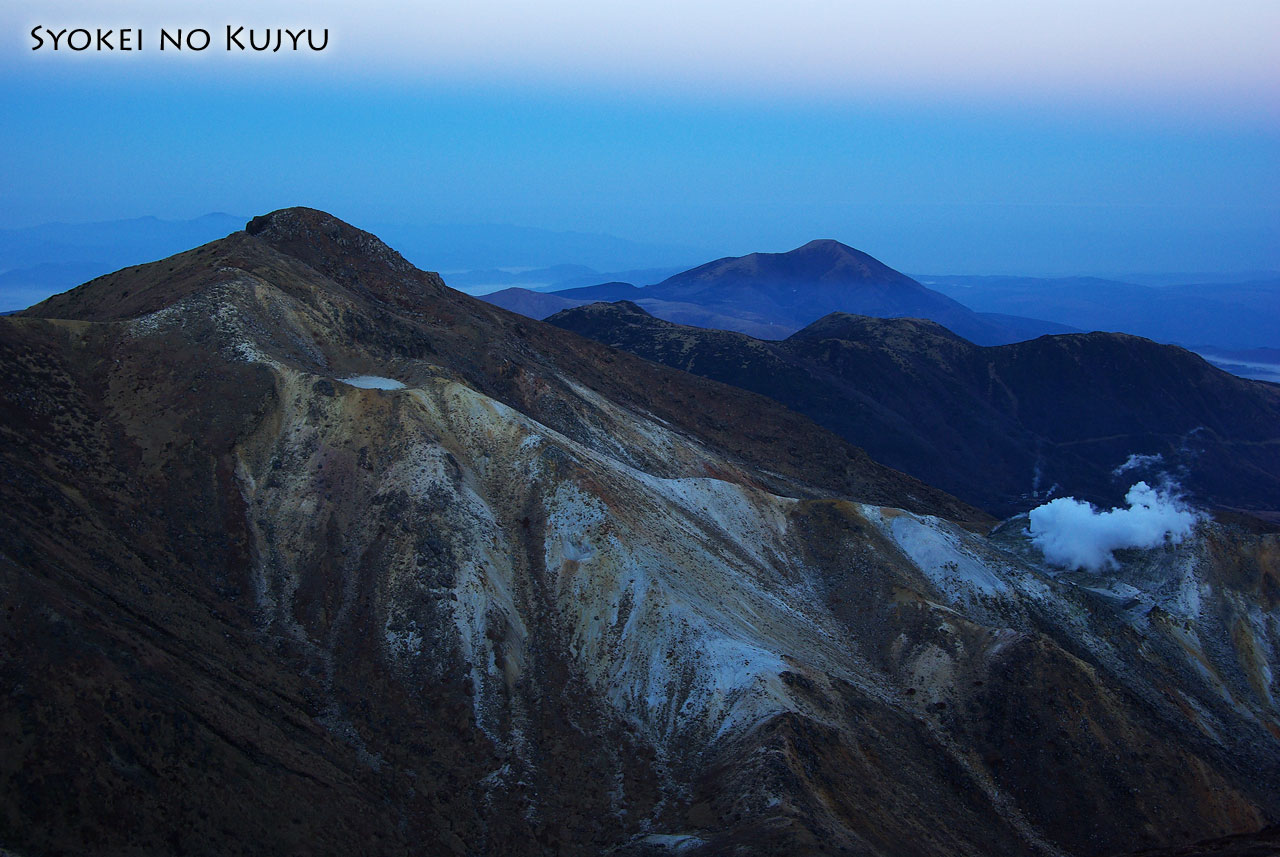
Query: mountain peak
[(849, 326), (826, 245), (783, 292), (590, 319), (826, 257), (822, 262), (311, 235), (619, 308), (350, 256), (298, 221)]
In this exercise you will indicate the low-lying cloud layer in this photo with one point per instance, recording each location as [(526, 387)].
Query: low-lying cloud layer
[(1074, 534)]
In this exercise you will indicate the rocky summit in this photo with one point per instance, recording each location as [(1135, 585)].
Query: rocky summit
[(304, 552)]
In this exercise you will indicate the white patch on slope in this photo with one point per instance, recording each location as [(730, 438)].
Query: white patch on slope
[(938, 551), (372, 382), (683, 597), (403, 644), (678, 643), (218, 302), (676, 842)]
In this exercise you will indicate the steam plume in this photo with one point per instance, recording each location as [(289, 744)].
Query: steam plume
[(1074, 534), (1137, 462)]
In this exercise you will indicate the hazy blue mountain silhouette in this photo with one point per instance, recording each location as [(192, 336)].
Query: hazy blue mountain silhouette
[(1230, 315), (772, 295)]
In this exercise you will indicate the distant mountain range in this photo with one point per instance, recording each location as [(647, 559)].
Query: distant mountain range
[(1001, 427), (465, 247), (1227, 315), (1214, 314), (38, 261), (1180, 278), (772, 295), (557, 278), (1260, 364), (115, 242)]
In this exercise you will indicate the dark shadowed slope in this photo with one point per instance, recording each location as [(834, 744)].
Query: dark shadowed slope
[(521, 593), (1263, 843), (997, 426)]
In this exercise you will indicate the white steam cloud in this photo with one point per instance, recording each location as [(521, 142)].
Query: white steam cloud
[(1074, 534)]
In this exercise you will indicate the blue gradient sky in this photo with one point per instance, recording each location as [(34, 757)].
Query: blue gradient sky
[(993, 137)]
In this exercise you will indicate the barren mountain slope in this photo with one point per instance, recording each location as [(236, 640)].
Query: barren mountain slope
[(546, 597)]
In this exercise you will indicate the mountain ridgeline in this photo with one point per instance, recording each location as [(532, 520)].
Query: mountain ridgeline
[(1001, 427), (772, 295), (303, 552)]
